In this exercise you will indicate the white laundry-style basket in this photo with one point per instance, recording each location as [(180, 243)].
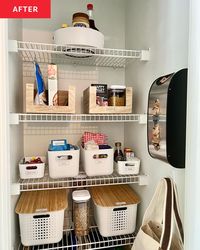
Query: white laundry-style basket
[(41, 216), (115, 209)]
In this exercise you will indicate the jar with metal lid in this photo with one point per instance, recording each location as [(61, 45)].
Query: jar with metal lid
[(81, 200), (128, 154), (117, 95), (80, 20)]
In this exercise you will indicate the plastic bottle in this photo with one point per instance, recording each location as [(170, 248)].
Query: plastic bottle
[(91, 18), (118, 155)]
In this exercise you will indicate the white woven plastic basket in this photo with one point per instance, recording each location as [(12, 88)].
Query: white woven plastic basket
[(118, 220), (41, 228)]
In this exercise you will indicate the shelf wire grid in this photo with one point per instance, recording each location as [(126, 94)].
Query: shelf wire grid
[(79, 118), (91, 241), (82, 181), (59, 54)]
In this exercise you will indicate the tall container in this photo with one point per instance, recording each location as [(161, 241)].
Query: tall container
[(81, 199)]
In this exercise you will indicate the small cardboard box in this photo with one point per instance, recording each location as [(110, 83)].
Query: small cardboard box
[(52, 85)]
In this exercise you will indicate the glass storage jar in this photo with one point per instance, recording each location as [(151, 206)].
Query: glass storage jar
[(80, 19), (81, 199), (116, 95)]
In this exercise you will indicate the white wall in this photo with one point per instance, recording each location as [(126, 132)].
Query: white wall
[(110, 20), (192, 185), (161, 26), (15, 87)]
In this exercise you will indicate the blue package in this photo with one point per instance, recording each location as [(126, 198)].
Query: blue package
[(59, 145), (41, 97)]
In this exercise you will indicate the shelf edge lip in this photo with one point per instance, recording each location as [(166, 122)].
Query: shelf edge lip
[(16, 118), (122, 240), (67, 183)]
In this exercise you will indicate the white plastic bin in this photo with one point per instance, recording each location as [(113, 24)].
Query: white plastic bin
[(76, 36), (63, 163), (128, 167), (41, 216), (115, 209), (31, 170), (97, 162)]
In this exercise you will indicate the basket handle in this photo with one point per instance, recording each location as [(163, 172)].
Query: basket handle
[(41, 216), (31, 167), (100, 156), (65, 157), (129, 164)]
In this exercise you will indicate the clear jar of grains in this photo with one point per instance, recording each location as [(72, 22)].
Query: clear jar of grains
[(81, 209), (116, 95)]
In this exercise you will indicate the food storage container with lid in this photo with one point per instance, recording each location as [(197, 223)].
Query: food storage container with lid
[(81, 200), (80, 20), (41, 216), (115, 209), (117, 95)]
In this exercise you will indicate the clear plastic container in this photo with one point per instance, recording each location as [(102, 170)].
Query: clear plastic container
[(116, 95), (81, 199)]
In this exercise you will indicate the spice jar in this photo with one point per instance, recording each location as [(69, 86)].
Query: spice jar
[(116, 95), (80, 20), (81, 200), (128, 154)]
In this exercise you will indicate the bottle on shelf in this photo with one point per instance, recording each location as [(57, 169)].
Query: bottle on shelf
[(91, 17), (118, 155)]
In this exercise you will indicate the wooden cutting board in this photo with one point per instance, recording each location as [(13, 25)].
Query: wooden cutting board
[(115, 195), (42, 201)]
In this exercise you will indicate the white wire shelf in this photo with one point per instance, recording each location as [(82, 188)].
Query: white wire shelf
[(48, 183), (91, 241), (16, 118), (59, 54)]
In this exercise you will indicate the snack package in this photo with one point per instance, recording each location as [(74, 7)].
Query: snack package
[(101, 94), (52, 85), (41, 97)]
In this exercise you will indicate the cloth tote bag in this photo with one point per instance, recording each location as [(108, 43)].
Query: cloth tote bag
[(160, 218)]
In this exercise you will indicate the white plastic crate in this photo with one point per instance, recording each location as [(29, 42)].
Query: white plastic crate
[(115, 209), (41, 228), (41, 216), (97, 162), (112, 221), (31, 170), (63, 163), (128, 167)]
